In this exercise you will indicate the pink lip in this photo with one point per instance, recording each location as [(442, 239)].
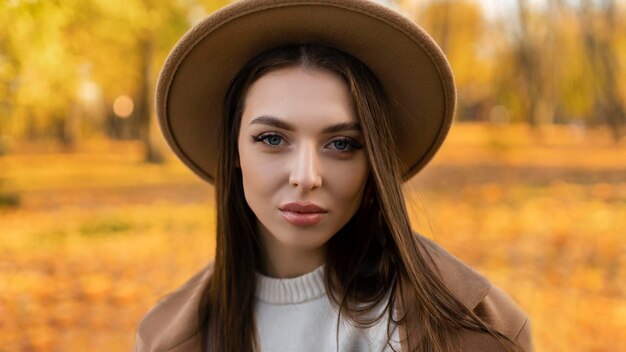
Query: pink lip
[(302, 214), (302, 207)]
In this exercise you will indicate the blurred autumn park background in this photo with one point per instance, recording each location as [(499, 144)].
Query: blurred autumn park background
[(98, 220)]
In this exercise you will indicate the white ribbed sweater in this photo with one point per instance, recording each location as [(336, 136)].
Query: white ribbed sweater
[(295, 314)]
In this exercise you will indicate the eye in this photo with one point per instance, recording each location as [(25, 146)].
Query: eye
[(270, 139), (346, 144), (273, 139)]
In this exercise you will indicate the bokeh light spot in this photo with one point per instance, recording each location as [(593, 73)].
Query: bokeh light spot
[(123, 106)]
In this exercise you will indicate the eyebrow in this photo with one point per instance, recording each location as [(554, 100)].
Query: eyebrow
[(276, 122)]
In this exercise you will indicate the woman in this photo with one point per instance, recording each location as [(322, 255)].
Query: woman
[(307, 116)]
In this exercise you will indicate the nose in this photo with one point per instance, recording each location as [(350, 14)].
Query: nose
[(305, 173)]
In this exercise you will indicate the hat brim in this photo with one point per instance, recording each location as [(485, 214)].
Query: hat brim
[(198, 71)]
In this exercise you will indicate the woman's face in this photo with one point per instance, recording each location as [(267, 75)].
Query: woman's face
[(300, 142)]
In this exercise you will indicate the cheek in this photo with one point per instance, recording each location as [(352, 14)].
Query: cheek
[(252, 175), (348, 181), (261, 176)]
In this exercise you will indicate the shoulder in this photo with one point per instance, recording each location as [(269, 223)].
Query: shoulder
[(505, 315), (477, 293), (173, 320)]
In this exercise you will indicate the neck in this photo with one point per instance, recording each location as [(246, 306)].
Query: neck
[(286, 262)]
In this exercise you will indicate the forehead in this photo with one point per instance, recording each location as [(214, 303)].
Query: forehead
[(309, 98)]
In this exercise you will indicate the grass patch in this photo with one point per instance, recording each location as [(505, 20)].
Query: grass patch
[(105, 227), (9, 200)]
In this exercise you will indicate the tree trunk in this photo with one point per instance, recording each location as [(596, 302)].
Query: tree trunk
[(144, 103), (528, 62), (603, 64)]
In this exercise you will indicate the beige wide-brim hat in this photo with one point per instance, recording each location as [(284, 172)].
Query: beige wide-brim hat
[(200, 68)]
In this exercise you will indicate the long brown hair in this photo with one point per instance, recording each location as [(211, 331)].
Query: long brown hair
[(360, 272)]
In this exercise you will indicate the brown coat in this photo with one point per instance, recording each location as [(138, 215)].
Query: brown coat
[(171, 325)]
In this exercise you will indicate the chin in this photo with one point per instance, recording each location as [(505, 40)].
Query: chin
[(306, 240)]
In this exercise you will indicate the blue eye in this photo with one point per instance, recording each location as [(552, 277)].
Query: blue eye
[(341, 144), (273, 139), (269, 139), (346, 145)]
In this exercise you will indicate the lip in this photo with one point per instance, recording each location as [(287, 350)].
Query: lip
[(302, 214), (302, 207)]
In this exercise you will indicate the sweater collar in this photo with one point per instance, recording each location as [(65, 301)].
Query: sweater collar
[(293, 290)]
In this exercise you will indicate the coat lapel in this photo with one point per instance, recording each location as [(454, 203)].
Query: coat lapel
[(467, 285), (172, 325)]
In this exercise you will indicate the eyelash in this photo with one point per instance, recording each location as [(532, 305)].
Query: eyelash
[(352, 144)]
